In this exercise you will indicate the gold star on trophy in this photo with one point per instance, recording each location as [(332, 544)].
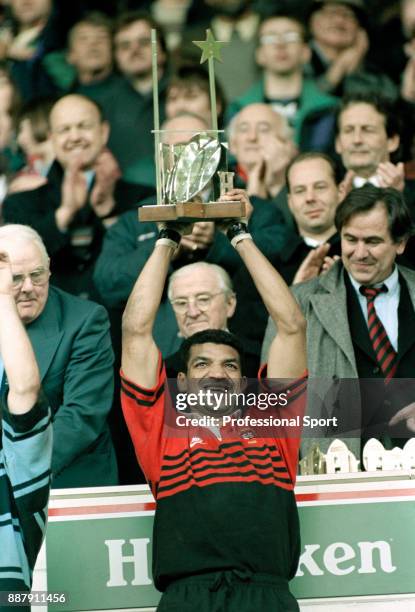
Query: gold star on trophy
[(210, 47), (210, 51)]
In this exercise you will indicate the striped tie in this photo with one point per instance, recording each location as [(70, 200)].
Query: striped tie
[(384, 351)]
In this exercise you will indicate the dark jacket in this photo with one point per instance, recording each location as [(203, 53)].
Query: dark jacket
[(71, 265), (73, 349)]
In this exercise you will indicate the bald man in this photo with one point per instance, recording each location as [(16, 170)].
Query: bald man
[(81, 197), (261, 140)]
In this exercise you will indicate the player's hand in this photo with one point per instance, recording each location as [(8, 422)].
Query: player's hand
[(182, 227), (239, 195)]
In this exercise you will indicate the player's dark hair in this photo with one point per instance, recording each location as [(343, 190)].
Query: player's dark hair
[(213, 336)]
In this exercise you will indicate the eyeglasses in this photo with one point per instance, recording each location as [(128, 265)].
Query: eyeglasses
[(37, 277), (124, 45), (202, 301), (283, 38)]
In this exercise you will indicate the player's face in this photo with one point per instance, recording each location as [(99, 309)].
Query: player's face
[(215, 368)]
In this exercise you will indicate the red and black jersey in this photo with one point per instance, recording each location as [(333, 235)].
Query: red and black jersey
[(221, 503)]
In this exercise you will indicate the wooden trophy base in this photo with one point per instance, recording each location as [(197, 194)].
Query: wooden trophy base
[(192, 211)]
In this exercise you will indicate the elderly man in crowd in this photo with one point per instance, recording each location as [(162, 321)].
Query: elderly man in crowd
[(72, 345), (25, 448), (361, 313), (202, 297), (260, 139), (81, 196)]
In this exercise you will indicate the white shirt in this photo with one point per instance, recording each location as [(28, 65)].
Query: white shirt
[(312, 242), (386, 304), (359, 181)]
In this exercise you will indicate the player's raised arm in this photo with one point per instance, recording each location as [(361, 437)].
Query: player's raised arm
[(287, 357), (139, 351)]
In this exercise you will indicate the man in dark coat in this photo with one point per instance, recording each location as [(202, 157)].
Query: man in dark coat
[(71, 341), (81, 197)]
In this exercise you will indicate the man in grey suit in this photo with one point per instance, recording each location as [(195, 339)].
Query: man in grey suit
[(71, 341), (374, 225)]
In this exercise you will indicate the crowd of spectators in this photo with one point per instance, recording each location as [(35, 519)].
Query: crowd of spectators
[(316, 97)]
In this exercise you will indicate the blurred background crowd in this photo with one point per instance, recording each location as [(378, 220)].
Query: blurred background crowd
[(333, 80)]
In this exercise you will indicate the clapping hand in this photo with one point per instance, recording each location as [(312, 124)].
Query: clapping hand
[(391, 175), (107, 172), (267, 176), (316, 262), (74, 186)]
